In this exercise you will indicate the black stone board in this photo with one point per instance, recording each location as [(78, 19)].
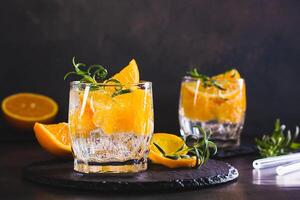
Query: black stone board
[(157, 178)]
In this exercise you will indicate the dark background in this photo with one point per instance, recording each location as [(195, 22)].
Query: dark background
[(259, 38)]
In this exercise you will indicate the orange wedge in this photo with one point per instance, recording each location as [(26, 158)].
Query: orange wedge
[(129, 74), (131, 112), (170, 144), (53, 138), (22, 110), (232, 74)]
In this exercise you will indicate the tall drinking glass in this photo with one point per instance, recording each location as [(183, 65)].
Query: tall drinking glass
[(110, 126), (221, 111)]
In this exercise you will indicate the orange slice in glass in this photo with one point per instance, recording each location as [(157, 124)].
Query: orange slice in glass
[(54, 138), (232, 74), (130, 112), (170, 144), (22, 110), (210, 103), (129, 74)]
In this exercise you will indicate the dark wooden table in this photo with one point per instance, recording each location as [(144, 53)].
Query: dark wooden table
[(15, 155)]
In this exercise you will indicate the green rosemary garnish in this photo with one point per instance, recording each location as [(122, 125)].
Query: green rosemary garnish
[(206, 80), (93, 74), (278, 143), (96, 74), (199, 147), (121, 91)]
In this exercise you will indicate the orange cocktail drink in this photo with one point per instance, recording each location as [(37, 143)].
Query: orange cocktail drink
[(111, 123), (217, 104)]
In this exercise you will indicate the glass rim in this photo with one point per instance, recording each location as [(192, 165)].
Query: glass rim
[(112, 84), (198, 79)]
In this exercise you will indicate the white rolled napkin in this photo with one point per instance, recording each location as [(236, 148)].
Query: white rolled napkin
[(275, 161), (289, 168)]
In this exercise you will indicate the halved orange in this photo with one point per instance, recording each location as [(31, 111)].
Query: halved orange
[(54, 138), (22, 110), (170, 144)]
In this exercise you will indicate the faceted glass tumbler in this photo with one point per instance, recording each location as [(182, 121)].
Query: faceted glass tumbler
[(110, 126)]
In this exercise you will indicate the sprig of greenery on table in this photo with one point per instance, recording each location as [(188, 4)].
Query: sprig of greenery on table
[(278, 143), (199, 147), (206, 80), (95, 74)]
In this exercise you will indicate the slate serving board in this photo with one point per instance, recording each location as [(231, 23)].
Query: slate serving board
[(156, 178)]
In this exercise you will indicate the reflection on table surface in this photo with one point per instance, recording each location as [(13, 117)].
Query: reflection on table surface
[(268, 176)]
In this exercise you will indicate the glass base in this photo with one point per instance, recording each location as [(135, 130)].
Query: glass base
[(223, 143), (131, 166), (225, 135)]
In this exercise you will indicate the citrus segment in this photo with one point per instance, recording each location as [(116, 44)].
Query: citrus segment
[(233, 109), (183, 162), (53, 138), (211, 103), (24, 109), (170, 144), (81, 119), (129, 74), (232, 74), (130, 112)]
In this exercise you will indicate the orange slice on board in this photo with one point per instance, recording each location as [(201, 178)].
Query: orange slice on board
[(22, 110), (170, 144), (54, 138)]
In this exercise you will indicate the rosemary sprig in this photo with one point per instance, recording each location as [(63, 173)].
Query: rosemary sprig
[(278, 143), (206, 80), (93, 74), (199, 147), (96, 74)]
